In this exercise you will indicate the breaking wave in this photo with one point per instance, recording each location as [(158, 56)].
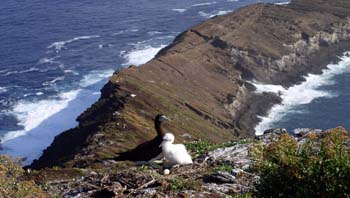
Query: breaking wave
[(179, 10), (213, 14), (60, 44), (43, 120), (141, 55), (203, 4), (303, 93)]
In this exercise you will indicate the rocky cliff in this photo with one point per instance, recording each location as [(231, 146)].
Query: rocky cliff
[(234, 169), (201, 81)]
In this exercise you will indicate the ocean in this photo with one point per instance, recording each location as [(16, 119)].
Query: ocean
[(320, 102), (56, 56)]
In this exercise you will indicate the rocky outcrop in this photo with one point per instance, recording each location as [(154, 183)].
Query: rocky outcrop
[(223, 172), (201, 81)]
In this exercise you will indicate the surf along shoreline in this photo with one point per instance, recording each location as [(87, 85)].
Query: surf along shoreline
[(193, 80)]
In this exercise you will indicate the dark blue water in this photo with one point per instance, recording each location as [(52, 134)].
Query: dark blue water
[(321, 102), (56, 55), (325, 112)]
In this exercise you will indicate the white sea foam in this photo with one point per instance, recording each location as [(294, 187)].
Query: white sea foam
[(125, 31), (118, 33), (101, 46), (3, 70), (260, 88), (303, 93), (60, 44), (43, 120), (94, 77), (3, 89), (57, 79), (141, 55), (30, 94), (152, 33), (213, 14), (203, 4), (283, 3), (52, 82), (21, 71), (221, 12), (179, 10), (32, 114), (49, 60), (71, 72), (232, 0), (204, 14)]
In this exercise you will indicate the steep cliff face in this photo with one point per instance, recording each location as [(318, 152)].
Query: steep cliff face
[(201, 81)]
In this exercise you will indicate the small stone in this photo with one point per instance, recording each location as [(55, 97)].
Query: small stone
[(302, 141), (93, 173), (347, 143), (221, 177), (186, 135), (246, 166), (237, 171), (116, 113), (276, 131)]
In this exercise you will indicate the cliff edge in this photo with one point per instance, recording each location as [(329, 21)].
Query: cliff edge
[(201, 81)]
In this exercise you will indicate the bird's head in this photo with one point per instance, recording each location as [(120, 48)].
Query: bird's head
[(161, 118), (168, 137)]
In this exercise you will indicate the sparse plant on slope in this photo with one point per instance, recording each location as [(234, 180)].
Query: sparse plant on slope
[(320, 166), (11, 183), (200, 147), (179, 184)]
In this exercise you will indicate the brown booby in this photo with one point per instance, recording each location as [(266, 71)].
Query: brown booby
[(150, 149)]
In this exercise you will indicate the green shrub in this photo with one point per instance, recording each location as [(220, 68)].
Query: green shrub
[(223, 168), (179, 184), (200, 147), (11, 184), (319, 167), (246, 195)]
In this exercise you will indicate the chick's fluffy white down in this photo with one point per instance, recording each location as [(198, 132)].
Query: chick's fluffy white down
[(176, 154)]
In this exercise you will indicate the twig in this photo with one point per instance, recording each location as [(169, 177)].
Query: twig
[(142, 186), (92, 186), (104, 178)]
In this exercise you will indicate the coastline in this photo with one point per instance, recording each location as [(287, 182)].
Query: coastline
[(303, 93), (193, 81)]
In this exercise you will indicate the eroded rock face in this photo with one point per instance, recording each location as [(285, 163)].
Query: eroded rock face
[(200, 80)]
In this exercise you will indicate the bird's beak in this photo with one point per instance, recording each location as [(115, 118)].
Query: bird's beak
[(165, 118), (161, 144)]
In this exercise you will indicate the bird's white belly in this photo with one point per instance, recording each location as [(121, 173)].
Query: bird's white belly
[(178, 157)]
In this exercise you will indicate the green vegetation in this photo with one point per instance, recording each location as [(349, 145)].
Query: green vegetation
[(200, 147), (11, 183), (319, 167), (179, 184), (223, 168), (246, 195)]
